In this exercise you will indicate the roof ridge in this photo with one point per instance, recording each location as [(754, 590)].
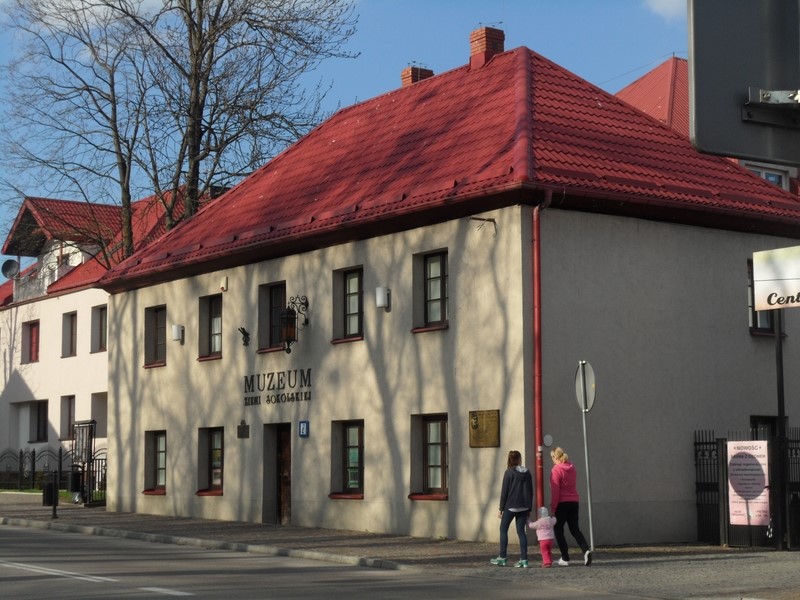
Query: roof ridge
[(523, 161)]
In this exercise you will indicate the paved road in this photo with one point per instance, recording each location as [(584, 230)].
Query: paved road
[(664, 572), (37, 564)]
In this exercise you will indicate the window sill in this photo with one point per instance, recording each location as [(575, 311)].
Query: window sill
[(209, 357), (436, 497), (156, 492), (434, 327), (270, 350), (345, 496), (764, 333), (208, 493), (356, 338), (68, 355), (155, 365)]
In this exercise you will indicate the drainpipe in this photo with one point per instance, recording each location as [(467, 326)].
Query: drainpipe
[(537, 350)]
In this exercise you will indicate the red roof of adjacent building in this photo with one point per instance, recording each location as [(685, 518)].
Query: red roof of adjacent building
[(663, 93), (517, 129), (42, 219)]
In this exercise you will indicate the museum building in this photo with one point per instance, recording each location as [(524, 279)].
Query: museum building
[(356, 335)]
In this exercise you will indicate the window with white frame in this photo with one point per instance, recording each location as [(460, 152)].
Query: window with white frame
[(429, 455), (776, 175), (210, 326), (211, 459), (155, 335), (347, 458), (271, 302), (155, 461), (348, 303), (430, 282)]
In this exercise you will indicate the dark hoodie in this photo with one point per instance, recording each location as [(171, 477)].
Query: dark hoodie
[(517, 489)]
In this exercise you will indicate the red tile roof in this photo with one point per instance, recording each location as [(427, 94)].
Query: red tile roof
[(148, 224), (458, 143), (43, 219), (663, 93)]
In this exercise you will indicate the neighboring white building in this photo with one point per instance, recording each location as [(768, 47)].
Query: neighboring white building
[(53, 326), (521, 220)]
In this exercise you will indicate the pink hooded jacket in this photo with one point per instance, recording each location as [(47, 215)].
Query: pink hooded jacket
[(563, 488)]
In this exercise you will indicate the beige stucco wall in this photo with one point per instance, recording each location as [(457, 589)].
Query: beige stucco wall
[(659, 310), (84, 375), (481, 362)]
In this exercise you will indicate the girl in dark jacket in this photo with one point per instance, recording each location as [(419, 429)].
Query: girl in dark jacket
[(516, 499)]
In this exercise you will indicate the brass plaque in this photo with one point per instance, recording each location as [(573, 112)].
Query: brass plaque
[(484, 428)]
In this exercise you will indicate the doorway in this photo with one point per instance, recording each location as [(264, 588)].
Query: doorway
[(277, 484)]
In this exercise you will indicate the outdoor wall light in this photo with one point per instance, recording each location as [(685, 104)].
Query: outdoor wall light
[(296, 307), (177, 333), (383, 297)]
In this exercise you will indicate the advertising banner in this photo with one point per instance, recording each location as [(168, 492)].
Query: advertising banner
[(748, 482)]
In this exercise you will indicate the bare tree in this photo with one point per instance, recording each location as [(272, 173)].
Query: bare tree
[(179, 99)]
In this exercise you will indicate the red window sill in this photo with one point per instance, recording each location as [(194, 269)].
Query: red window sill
[(209, 357), (437, 497), (344, 496), (208, 493), (268, 350), (357, 338), (436, 327), (156, 492)]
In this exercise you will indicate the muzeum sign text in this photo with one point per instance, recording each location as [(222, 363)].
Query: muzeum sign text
[(277, 387)]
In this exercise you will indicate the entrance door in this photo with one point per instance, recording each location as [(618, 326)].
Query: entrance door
[(277, 482), (284, 473)]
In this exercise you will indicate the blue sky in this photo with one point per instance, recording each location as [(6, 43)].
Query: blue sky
[(607, 42)]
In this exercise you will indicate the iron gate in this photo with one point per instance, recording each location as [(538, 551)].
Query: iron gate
[(711, 490)]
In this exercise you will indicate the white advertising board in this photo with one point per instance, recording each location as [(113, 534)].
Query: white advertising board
[(748, 483), (776, 278)]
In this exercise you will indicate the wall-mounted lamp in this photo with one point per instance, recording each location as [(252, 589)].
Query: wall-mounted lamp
[(223, 284), (383, 297), (297, 306), (177, 333)]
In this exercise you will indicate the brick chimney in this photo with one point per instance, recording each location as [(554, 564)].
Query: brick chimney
[(414, 74), (484, 43)]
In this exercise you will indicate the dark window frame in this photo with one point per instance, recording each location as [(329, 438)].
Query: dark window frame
[(347, 447), (32, 333), (440, 421), (761, 322), (435, 305), (349, 296), (210, 338), (155, 335)]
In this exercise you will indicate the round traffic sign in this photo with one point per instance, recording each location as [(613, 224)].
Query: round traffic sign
[(584, 386)]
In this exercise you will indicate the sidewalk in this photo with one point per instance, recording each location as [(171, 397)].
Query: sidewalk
[(690, 571)]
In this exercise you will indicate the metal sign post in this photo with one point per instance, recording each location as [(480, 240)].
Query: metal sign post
[(585, 392)]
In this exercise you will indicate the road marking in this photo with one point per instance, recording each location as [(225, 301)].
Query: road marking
[(55, 572), (166, 591)]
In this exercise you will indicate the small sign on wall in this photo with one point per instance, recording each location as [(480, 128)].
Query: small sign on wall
[(484, 428), (302, 429)]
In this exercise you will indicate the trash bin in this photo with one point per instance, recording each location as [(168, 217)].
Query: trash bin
[(74, 481), (48, 494)]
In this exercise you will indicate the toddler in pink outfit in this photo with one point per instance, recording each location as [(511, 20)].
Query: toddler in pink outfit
[(544, 533)]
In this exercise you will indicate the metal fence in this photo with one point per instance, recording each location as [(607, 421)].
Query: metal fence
[(711, 490), (30, 469)]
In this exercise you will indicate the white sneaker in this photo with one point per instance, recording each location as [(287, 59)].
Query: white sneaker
[(587, 558), (562, 563)]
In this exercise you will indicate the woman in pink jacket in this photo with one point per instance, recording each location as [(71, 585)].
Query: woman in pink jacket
[(564, 504)]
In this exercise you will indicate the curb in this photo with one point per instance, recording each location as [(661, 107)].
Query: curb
[(358, 561)]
